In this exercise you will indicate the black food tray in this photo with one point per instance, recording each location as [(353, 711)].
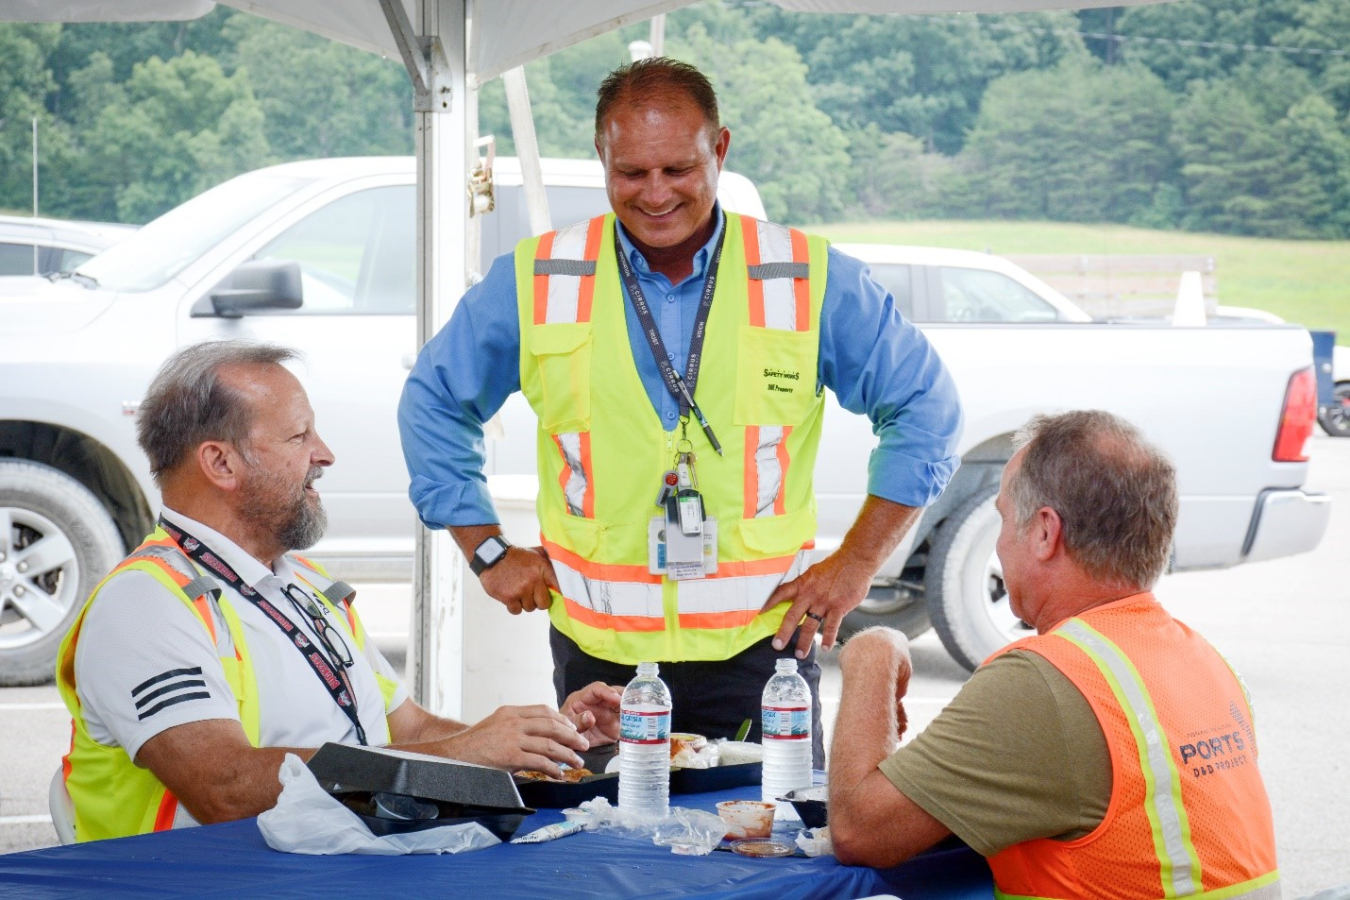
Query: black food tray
[(697, 781), (501, 823), (560, 795)]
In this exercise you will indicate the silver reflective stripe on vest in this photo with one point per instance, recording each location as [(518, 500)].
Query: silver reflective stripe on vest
[(575, 490), (768, 469), (1180, 866), (564, 286), (780, 299), (610, 598), (643, 599), (574, 267), (765, 271)]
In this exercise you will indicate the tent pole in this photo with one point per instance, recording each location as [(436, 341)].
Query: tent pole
[(437, 635)]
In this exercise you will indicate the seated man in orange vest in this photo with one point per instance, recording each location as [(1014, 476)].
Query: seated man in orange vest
[(1112, 755), (212, 651)]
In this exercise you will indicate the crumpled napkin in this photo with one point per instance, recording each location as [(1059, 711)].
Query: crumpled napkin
[(307, 820), (689, 832)]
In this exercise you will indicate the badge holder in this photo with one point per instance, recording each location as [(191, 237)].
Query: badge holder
[(681, 543)]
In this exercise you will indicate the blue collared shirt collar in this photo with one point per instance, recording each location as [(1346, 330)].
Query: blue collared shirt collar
[(701, 258)]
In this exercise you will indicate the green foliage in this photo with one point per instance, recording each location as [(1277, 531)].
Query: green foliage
[(921, 75), (345, 102), (1218, 115), (168, 132), (779, 139), (1081, 142)]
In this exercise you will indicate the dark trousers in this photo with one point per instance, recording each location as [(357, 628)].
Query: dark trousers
[(709, 698)]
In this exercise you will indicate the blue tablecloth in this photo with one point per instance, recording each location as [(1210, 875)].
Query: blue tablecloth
[(232, 860)]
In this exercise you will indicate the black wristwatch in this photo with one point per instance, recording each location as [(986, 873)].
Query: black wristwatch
[(488, 554)]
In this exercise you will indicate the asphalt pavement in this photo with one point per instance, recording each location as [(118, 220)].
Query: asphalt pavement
[(1283, 624)]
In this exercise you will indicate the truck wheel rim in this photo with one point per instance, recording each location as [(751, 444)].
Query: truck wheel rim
[(39, 576)]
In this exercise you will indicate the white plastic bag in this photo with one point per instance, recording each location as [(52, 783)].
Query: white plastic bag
[(307, 820)]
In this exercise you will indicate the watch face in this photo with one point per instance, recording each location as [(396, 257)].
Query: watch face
[(491, 550)]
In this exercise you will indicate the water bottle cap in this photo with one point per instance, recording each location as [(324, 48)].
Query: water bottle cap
[(785, 666), (648, 668)]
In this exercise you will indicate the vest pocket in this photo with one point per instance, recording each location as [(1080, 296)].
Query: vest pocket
[(562, 357), (775, 376), (769, 536)]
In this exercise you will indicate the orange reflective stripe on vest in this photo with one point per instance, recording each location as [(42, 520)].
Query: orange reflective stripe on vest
[(1173, 828), (564, 272)]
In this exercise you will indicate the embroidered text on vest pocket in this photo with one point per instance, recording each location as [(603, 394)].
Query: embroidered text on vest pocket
[(776, 376)]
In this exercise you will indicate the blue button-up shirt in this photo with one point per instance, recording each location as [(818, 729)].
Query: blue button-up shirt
[(877, 363)]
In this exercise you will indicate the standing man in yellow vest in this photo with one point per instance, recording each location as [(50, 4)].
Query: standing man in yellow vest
[(1113, 755), (212, 651), (676, 358)]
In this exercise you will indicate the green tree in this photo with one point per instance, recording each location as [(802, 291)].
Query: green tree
[(1231, 161), (791, 150), (25, 83), (892, 176), (921, 75), (1314, 199), (1081, 142), (1206, 39), (321, 98), (172, 130)]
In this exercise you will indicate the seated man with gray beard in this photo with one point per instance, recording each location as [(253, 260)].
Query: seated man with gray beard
[(212, 650)]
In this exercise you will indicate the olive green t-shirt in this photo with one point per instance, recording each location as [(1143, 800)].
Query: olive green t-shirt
[(1017, 755)]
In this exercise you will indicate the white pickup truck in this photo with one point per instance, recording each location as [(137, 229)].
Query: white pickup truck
[(319, 256)]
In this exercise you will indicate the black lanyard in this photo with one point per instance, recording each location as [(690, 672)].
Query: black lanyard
[(682, 389), (333, 676)]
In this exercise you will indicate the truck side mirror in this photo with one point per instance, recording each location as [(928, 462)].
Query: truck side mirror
[(254, 286)]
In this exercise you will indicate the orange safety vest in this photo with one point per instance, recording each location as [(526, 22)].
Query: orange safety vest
[(1188, 815)]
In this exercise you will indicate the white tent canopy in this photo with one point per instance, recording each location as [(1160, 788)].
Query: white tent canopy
[(507, 33), (449, 47)]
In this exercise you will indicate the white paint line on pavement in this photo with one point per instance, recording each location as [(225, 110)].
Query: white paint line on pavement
[(6, 707), (25, 820)]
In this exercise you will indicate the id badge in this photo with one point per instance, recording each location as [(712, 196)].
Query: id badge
[(681, 570), (689, 503)]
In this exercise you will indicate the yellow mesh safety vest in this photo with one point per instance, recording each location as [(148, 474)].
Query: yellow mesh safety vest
[(602, 448), (113, 797)]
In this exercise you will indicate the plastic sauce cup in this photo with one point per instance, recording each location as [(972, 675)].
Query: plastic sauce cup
[(746, 818)]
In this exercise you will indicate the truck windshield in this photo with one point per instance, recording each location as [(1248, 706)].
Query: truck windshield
[(175, 240)]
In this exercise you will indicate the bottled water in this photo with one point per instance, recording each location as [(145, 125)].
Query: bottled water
[(786, 726), (644, 743)]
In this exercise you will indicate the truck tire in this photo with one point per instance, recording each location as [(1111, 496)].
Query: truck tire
[(1335, 420), (892, 606), (56, 542), (964, 583)]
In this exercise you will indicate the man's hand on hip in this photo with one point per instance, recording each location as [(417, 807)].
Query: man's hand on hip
[(820, 597), (831, 589), (522, 580)]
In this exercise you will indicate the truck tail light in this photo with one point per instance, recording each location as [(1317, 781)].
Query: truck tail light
[(1297, 418)]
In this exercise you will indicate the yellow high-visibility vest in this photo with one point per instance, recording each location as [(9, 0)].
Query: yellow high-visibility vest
[(602, 449), (113, 797)]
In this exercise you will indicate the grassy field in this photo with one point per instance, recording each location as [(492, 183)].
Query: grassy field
[(1302, 281)]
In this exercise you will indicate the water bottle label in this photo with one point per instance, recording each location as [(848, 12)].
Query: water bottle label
[(786, 723), (644, 727)]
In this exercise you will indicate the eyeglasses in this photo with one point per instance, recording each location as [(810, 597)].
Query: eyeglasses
[(332, 639)]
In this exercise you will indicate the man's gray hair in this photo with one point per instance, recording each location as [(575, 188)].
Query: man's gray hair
[(189, 402), (1114, 491)]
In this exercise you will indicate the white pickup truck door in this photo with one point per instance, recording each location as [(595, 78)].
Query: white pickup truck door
[(357, 332)]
